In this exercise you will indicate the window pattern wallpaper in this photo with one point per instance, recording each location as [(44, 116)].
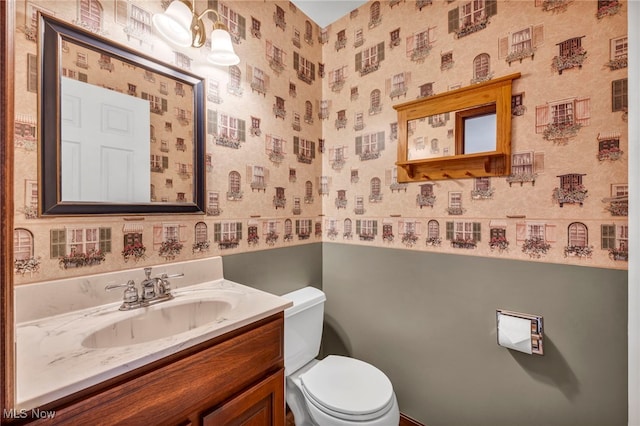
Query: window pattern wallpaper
[(301, 136), (565, 197)]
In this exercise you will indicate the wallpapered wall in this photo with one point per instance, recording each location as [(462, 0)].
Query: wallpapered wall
[(302, 136), (261, 188), (565, 200)]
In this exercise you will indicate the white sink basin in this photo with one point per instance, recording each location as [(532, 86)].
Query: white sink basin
[(83, 339), (159, 321)]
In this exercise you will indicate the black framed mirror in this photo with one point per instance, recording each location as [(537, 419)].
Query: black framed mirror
[(120, 132)]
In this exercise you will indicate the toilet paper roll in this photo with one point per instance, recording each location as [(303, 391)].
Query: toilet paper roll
[(514, 333)]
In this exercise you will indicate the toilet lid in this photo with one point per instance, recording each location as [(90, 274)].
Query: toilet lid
[(347, 387)]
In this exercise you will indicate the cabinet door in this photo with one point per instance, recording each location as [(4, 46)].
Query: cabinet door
[(260, 405)]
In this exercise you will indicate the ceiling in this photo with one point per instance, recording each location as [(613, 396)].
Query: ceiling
[(326, 12)]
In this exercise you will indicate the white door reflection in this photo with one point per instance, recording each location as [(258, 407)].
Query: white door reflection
[(105, 140)]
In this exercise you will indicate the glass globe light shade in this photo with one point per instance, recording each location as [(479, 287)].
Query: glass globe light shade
[(222, 52), (175, 23)]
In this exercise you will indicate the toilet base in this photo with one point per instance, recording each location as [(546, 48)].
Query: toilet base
[(295, 399)]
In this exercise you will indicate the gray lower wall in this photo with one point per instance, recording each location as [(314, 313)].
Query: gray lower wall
[(428, 321), (277, 271)]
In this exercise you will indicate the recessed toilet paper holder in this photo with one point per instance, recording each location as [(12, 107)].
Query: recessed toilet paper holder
[(510, 323)]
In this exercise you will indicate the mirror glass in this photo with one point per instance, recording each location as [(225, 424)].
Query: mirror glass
[(476, 130), (473, 131), (430, 137), (480, 134), (121, 133)]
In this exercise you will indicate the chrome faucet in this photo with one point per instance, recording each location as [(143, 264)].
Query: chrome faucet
[(153, 290)]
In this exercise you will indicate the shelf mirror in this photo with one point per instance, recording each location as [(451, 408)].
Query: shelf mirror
[(463, 133)]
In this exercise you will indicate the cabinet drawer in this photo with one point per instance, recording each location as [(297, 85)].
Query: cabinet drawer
[(185, 386)]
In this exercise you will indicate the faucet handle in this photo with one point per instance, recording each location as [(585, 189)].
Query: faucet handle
[(110, 287), (130, 292), (164, 275), (163, 281)]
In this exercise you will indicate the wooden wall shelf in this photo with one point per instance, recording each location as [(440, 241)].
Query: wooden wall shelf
[(495, 93)]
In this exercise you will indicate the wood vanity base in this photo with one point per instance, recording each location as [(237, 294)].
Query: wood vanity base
[(236, 379)]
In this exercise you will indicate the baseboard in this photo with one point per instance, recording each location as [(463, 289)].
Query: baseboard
[(408, 421)]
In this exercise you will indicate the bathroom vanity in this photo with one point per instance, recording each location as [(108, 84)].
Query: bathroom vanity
[(235, 379), (99, 365)]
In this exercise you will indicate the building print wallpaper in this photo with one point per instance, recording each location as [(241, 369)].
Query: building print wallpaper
[(301, 136)]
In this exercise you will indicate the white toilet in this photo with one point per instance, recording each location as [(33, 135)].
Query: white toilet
[(335, 391)]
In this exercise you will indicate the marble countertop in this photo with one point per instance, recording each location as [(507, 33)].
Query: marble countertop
[(52, 361)]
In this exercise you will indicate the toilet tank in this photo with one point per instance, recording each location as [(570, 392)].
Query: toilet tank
[(302, 327)]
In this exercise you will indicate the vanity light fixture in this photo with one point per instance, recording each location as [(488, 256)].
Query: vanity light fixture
[(183, 26)]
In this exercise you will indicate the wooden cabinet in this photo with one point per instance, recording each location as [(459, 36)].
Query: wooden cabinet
[(236, 379)]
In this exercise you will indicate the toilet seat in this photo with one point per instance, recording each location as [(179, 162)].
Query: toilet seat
[(348, 389)]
